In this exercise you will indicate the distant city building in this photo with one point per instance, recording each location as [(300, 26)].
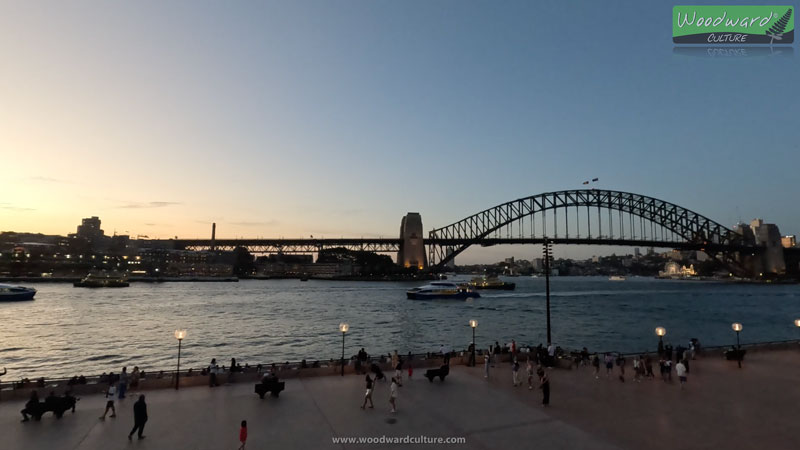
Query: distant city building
[(636, 253), (595, 259), (789, 241), (89, 229), (675, 270)]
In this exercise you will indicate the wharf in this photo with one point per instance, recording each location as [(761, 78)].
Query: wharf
[(722, 406)]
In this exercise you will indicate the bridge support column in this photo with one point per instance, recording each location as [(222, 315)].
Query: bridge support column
[(412, 245)]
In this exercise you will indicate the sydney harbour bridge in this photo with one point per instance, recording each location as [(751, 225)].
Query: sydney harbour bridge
[(583, 217)]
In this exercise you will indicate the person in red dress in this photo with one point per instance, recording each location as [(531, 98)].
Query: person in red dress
[(243, 434)]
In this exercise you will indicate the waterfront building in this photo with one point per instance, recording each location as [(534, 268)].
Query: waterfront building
[(675, 270), (789, 241)]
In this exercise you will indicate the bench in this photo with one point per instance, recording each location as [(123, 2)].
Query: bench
[(734, 355), (441, 372), (57, 405), (274, 387)]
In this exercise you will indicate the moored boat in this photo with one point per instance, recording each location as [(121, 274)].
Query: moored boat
[(103, 279), (491, 283), (616, 278), (9, 293), (441, 290)]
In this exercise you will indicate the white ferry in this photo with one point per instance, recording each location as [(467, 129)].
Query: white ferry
[(441, 290)]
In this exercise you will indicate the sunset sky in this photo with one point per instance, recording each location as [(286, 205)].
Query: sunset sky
[(335, 118)]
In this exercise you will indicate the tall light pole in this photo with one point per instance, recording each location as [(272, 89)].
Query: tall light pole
[(343, 327), (737, 327), (474, 324), (797, 323), (547, 252), (660, 332), (179, 335)]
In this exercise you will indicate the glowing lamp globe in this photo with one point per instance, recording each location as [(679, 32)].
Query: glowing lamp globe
[(343, 327), (737, 327), (473, 323), (661, 331), (180, 334)]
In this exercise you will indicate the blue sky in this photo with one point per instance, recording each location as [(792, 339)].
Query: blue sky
[(336, 118)]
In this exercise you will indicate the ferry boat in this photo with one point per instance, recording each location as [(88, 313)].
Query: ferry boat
[(616, 278), (10, 293), (441, 290), (491, 283), (102, 279)]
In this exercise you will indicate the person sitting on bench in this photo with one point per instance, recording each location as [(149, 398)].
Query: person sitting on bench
[(31, 407)]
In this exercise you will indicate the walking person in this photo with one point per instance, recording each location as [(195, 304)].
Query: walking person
[(621, 365), (109, 402), (648, 367), (529, 368), (544, 385), (596, 365), (243, 434), (637, 369), (668, 368), (609, 360), (139, 417), (487, 362), (551, 354), (680, 369), (393, 395), (123, 383), (515, 372), (513, 351), (409, 358), (398, 371), (368, 395)]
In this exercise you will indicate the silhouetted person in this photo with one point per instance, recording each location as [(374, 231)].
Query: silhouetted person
[(31, 407), (139, 417)]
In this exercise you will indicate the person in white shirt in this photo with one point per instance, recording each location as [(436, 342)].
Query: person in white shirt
[(680, 369), (486, 361), (393, 395), (109, 402)]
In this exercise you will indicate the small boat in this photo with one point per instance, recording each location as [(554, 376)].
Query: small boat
[(10, 293), (491, 283), (102, 280), (441, 290), (616, 278)]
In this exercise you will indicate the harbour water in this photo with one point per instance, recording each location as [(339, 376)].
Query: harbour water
[(69, 331)]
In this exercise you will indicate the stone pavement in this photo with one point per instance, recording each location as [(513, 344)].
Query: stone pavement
[(721, 407)]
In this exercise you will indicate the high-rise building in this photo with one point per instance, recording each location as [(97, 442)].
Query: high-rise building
[(90, 229)]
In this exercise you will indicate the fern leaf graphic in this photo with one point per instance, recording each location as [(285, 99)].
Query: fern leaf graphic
[(777, 28)]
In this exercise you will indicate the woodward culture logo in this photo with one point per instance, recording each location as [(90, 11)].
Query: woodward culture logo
[(733, 25)]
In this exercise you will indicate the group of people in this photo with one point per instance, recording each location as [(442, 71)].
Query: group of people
[(396, 380), (643, 364)]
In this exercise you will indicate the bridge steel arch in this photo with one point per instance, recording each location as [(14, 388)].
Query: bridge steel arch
[(690, 229)]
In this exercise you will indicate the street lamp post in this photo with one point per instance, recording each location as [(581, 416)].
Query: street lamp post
[(474, 324), (660, 332), (179, 335), (737, 327), (547, 253), (797, 323), (343, 327)]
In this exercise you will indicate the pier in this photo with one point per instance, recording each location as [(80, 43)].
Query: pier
[(720, 407)]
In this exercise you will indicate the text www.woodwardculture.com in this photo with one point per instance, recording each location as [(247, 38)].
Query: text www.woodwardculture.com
[(399, 440)]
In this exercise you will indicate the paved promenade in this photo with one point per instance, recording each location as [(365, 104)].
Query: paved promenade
[(721, 407)]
